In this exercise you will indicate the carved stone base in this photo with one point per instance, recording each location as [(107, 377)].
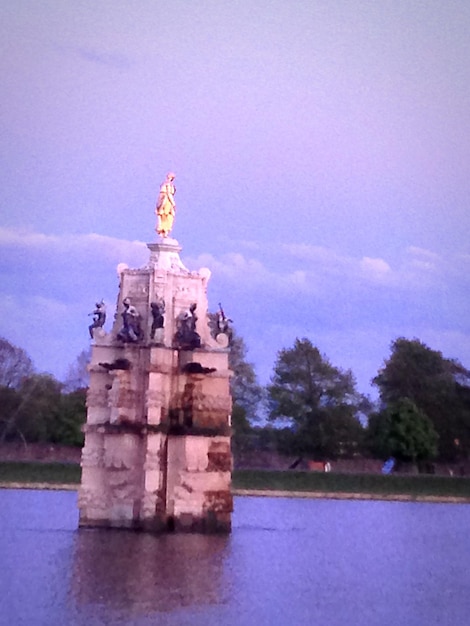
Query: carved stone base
[(157, 439)]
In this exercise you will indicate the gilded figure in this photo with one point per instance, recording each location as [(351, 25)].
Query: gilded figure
[(166, 207)]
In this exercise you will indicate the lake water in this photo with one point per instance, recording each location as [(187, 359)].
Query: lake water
[(287, 561)]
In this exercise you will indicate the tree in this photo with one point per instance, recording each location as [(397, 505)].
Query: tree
[(10, 402), (246, 394), (404, 432), (70, 419), (439, 387), (38, 411), (15, 368), (39, 408), (78, 376), (15, 364), (244, 387), (318, 401)]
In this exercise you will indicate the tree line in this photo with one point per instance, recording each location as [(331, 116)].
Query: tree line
[(35, 407), (315, 411), (310, 408)]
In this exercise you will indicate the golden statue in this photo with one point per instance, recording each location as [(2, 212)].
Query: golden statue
[(166, 208)]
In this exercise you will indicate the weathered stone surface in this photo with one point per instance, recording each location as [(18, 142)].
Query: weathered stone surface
[(157, 397), (210, 419), (218, 501), (97, 398), (155, 451), (196, 449), (219, 457), (153, 505), (162, 360), (93, 451), (122, 452), (200, 482)]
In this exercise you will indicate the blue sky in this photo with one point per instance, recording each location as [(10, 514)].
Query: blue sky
[(322, 155)]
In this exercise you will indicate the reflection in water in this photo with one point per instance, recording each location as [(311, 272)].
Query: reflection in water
[(143, 573)]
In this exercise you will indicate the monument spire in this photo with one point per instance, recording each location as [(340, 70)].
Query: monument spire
[(157, 438)]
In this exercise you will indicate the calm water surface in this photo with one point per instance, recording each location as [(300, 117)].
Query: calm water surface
[(288, 561)]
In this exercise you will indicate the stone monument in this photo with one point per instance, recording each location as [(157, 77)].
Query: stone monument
[(157, 438)]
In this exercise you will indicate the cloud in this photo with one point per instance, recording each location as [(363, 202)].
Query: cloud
[(319, 255), (50, 283), (232, 267), (287, 271), (423, 260), (113, 60), (423, 253), (351, 307), (109, 248), (377, 269), (323, 272)]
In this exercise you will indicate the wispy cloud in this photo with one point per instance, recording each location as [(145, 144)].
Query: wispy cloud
[(319, 270), (351, 307), (100, 246), (289, 271), (114, 60)]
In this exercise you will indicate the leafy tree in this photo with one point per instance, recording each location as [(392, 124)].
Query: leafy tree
[(244, 387), (246, 395), (15, 364), (70, 418), (10, 401), (39, 412), (240, 422), (404, 432), (439, 387), (318, 401), (241, 430), (39, 408)]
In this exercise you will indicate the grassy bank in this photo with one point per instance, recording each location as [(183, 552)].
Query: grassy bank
[(54, 473), (374, 484), (268, 480)]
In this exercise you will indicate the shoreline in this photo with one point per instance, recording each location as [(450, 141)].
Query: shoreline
[(273, 493), (344, 495)]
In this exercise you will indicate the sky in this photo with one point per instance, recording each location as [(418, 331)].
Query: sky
[(322, 158)]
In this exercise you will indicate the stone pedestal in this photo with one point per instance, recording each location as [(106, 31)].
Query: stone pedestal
[(157, 439)]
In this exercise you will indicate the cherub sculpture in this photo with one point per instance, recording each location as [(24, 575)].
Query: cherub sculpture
[(99, 317), (131, 330)]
